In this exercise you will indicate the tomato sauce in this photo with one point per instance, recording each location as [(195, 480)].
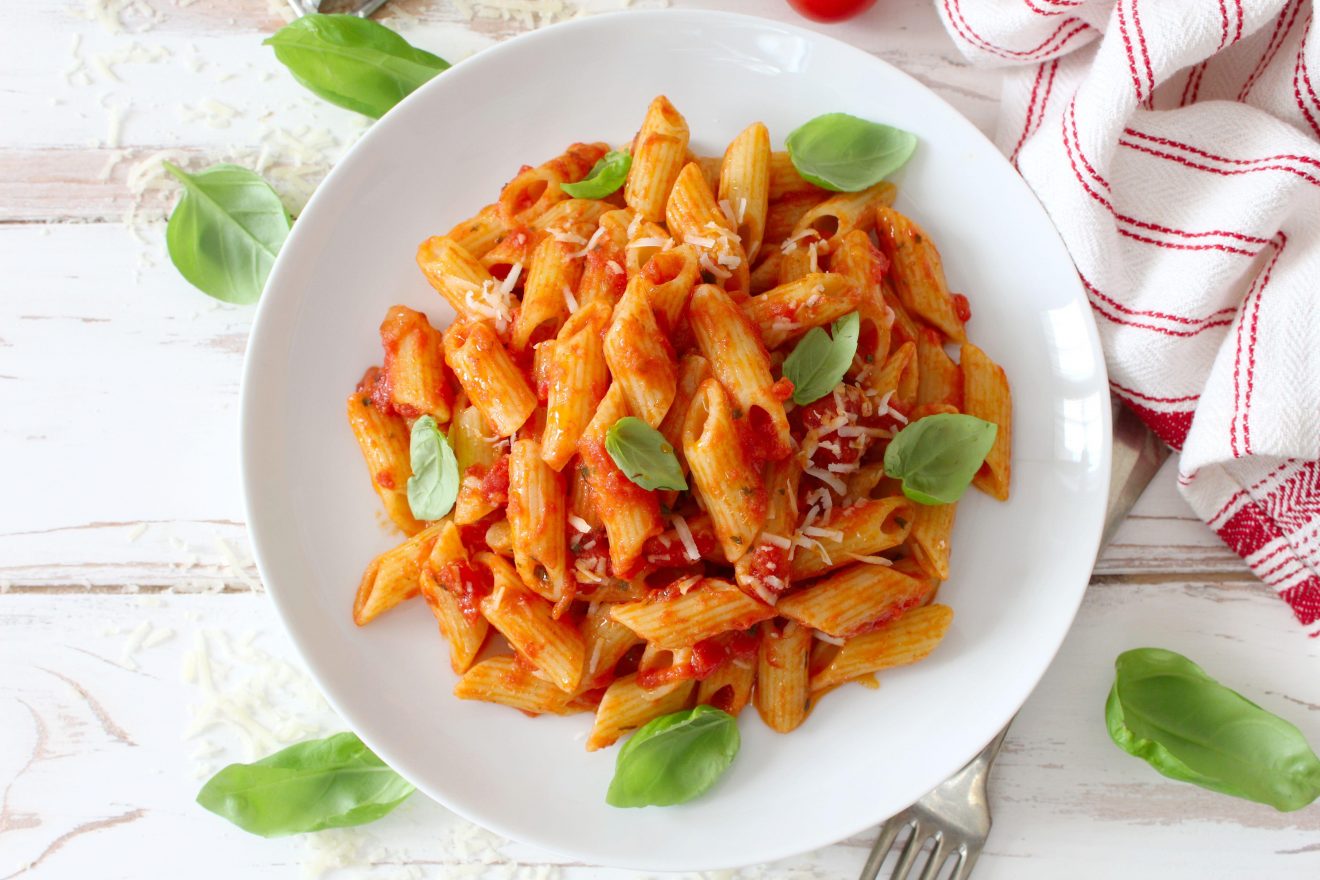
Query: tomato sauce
[(769, 560), (494, 481), (469, 583), (708, 655), (667, 551), (962, 307)]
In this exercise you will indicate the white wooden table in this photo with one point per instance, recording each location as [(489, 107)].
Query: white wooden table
[(137, 653)]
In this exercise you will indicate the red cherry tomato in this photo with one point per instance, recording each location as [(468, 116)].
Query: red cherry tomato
[(831, 10)]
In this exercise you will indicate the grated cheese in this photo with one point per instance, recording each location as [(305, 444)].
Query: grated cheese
[(563, 235), (595, 657), (841, 468), (648, 241), (613, 266), (827, 638), (685, 536), (710, 267), (579, 523), (871, 560), (811, 254), (729, 261), (742, 210), (727, 210), (588, 244), (790, 243), (827, 478), (634, 224), (776, 540), (569, 299), (818, 532), (699, 241), (860, 431), (137, 531)]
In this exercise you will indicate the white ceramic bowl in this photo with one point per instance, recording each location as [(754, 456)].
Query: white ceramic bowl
[(1019, 569)]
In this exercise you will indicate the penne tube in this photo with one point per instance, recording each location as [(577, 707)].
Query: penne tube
[(729, 687), (511, 255), (659, 153), (744, 187), (581, 501), (538, 519), (783, 180), (712, 607), (864, 529), (639, 357), (854, 599), (898, 378), (630, 513), (392, 576), (451, 586), (986, 396), (572, 218), (782, 675), (783, 216), (939, 380), (724, 478), (384, 441), (605, 273), (857, 259), (693, 369), (671, 275), (917, 273), (789, 310), (740, 362), (536, 190), (931, 538), (627, 706), (463, 281), (415, 366), (549, 293), (527, 621), (694, 217), (489, 376), (843, 213), (577, 378), (764, 571), (499, 538), (606, 642), (510, 682), (906, 640), (645, 240), (480, 233)]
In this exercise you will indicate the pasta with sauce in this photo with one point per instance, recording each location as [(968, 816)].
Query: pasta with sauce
[(790, 564)]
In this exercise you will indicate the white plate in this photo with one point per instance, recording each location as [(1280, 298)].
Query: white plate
[(1018, 569)]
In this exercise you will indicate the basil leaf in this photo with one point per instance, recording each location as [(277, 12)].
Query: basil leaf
[(607, 175), (322, 783), (674, 758), (847, 154), (936, 457), (1165, 710), (225, 231), (433, 486), (644, 455), (818, 362), (355, 63)]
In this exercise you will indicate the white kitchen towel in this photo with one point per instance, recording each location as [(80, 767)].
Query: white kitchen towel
[(1176, 146)]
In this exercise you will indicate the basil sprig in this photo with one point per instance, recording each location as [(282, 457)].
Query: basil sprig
[(644, 455), (1164, 709), (433, 486), (225, 231), (847, 154), (674, 758), (937, 456), (607, 175), (322, 783), (818, 362), (355, 63)]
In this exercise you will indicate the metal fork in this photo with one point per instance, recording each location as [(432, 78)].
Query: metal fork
[(955, 815), (362, 10)]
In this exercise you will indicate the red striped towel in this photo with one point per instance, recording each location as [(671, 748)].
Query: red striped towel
[(1176, 147)]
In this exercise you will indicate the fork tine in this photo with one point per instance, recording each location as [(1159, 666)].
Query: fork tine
[(888, 834), (914, 846), (938, 856), (966, 863)]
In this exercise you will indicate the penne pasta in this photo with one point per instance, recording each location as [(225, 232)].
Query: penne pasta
[(552, 646), (739, 361), (906, 640), (782, 692), (658, 155), (640, 360), (414, 370), (480, 233), (577, 378), (853, 600), (744, 188), (712, 607), (451, 586), (383, 439), (918, 273), (985, 395), (393, 576), (725, 479), (511, 682), (538, 519), (790, 310), (694, 217), (627, 706), (931, 538), (536, 190), (865, 529), (489, 376)]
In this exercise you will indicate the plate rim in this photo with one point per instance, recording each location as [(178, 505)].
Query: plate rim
[(250, 441)]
